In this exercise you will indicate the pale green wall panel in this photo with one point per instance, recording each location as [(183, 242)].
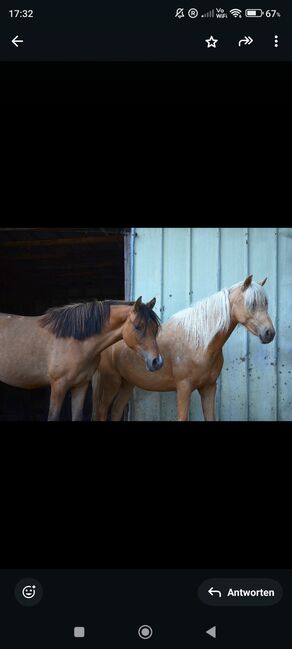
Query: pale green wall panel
[(182, 265), (175, 292), (148, 259), (284, 333), (204, 282), (204, 266), (262, 359), (176, 270), (234, 268)]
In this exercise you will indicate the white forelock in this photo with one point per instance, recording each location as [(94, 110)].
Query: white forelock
[(254, 296)]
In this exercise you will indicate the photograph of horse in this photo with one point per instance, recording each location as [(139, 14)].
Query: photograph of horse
[(191, 343), (62, 347)]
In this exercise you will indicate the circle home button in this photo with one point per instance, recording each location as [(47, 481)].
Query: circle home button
[(145, 632)]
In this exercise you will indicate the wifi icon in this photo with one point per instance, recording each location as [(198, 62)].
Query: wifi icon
[(236, 13)]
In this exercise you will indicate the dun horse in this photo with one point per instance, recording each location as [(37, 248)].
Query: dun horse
[(62, 347), (191, 343)]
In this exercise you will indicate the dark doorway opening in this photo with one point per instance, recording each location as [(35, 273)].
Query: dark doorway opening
[(44, 267)]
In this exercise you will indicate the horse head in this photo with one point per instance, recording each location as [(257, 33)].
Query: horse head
[(249, 306), (140, 331)]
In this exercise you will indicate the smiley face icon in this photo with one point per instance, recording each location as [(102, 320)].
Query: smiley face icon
[(29, 591)]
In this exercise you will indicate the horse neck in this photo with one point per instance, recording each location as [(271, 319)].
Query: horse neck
[(221, 337), (118, 316), (113, 330)]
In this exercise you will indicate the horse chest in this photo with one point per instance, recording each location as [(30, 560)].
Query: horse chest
[(205, 370), (86, 363), (76, 361)]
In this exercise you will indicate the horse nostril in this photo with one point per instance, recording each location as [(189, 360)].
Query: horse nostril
[(157, 363), (269, 335)]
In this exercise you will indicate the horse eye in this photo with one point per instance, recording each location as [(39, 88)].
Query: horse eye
[(138, 327)]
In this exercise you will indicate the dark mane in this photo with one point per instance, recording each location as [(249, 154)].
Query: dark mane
[(85, 319), (147, 315)]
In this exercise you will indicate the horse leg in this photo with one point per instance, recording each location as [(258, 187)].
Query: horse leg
[(107, 397), (95, 382), (207, 394), (183, 395), (78, 397), (105, 390), (124, 395), (58, 392)]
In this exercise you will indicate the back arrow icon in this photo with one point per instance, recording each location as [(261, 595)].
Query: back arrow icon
[(247, 40), (16, 40)]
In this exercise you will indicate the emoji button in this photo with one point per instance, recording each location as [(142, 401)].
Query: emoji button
[(28, 592)]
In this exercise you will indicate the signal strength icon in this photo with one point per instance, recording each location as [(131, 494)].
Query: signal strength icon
[(236, 13), (209, 14)]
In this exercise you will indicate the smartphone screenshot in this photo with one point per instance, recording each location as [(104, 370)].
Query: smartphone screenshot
[(144, 475)]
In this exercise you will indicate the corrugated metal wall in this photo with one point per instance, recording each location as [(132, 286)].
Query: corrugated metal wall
[(182, 265)]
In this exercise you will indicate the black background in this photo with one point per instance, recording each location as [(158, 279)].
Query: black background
[(145, 84), (152, 500)]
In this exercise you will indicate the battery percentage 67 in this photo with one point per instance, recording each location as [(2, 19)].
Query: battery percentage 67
[(272, 13), (260, 13)]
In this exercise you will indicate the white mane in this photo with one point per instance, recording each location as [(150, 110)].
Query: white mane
[(204, 319), (254, 296)]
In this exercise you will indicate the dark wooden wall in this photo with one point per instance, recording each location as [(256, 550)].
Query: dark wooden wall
[(43, 267)]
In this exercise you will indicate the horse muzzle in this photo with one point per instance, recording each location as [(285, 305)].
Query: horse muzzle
[(267, 336), (154, 364)]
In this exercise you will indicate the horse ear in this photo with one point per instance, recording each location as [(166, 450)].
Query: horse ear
[(152, 303), (247, 282), (138, 303), (263, 281)]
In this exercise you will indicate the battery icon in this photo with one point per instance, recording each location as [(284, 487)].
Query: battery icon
[(254, 13)]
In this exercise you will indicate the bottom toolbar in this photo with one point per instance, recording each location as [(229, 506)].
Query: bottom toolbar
[(113, 608)]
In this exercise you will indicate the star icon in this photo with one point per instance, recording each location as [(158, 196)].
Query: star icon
[(211, 42)]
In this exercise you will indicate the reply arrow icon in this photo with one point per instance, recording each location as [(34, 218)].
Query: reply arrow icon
[(212, 592)]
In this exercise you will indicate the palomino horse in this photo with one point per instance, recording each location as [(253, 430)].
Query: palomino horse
[(191, 343), (62, 347)]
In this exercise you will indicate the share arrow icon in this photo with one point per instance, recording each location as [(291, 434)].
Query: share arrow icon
[(247, 40)]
